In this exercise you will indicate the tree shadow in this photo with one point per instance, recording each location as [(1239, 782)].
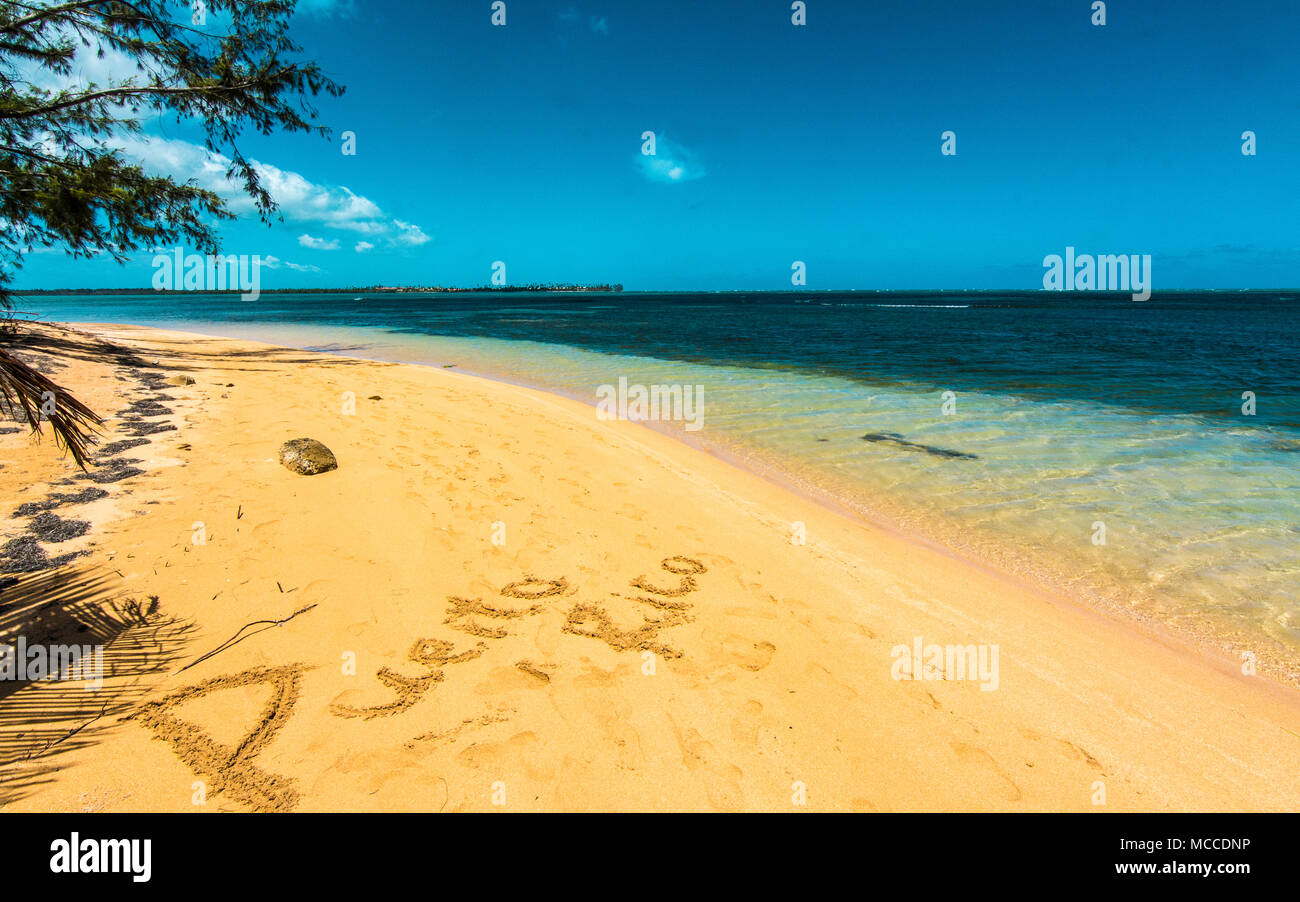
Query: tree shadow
[(171, 354), (42, 720), (61, 342)]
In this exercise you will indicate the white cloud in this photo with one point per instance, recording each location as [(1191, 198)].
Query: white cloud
[(318, 244), (671, 163), (184, 162), (305, 201), (272, 262), (300, 200), (409, 234), (88, 67), (363, 246)]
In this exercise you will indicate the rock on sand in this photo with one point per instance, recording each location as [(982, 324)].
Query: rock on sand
[(307, 457)]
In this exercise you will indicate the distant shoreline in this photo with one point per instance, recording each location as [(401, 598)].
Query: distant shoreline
[(373, 289), (1035, 293)]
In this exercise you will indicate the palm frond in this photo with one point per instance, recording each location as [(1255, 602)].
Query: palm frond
[(22, 388)]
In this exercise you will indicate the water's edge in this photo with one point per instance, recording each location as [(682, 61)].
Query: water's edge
[(1274, 659)]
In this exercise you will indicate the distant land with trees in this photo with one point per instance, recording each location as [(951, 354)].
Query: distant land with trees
[(370, 289)]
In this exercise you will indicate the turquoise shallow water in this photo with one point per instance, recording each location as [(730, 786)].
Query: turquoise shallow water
[(1066, 413)]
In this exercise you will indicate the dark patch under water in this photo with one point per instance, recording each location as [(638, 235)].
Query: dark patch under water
[(894, 438)]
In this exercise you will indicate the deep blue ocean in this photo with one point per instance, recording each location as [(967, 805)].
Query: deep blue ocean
[(1179, 352)]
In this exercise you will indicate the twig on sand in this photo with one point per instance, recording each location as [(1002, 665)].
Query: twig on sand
[(240, 637), (68, 735)]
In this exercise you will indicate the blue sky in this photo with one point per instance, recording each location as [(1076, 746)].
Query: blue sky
[(818, 143)]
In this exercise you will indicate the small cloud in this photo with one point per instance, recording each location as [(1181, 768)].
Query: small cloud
[(363, 246), (409, 234), (671, 162), (363, 227), (272, 262), (318, 244), (570, 16)]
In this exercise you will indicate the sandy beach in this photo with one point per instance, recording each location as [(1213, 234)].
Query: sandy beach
[(500, 602)]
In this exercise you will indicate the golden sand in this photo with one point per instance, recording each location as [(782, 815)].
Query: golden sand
[(499, 602)]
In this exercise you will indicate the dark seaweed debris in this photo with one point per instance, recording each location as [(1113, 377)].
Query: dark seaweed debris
[(25, 555), (52, 528), (143, 428), (144, 407), (115, 470), (121, 445), (894, 438), (156, 381), (58, 499)]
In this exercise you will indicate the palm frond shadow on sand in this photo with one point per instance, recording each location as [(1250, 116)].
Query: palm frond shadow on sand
[(44, 720)]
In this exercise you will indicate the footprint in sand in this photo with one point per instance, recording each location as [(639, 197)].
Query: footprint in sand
[(750, 612), (1075, 752), (261, 529), (1082, 754), (626, 742), (632, 512), (976, 757), (391, 779), (748, 720), (721, 779), (501, 760), (746, 653), (1079, 753), (830, 687), (853, 626), (918, 691), (593, 677)]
